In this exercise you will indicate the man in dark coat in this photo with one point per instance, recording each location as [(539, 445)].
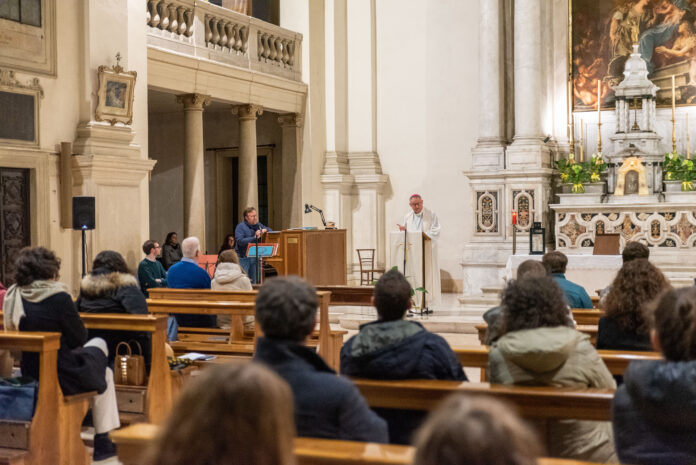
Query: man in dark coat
[(326, 405), (248, 232), (394, 348)]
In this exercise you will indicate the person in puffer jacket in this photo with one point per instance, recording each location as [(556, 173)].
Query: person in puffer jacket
[(394, 348), (654, 411), (539, 349), (229, 276)]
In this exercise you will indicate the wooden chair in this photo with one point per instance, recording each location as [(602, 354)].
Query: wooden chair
[(366, 258), (133, 441), (53, 435)]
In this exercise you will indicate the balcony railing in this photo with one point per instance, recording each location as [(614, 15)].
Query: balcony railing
[(208, 31)]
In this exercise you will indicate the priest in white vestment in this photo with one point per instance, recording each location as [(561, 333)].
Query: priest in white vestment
[(424, 220)]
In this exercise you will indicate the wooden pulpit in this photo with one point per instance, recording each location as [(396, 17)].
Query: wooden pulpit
[(319, 256), (418, 270)]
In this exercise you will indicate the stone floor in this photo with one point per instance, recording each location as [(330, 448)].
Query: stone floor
[(453, 320)]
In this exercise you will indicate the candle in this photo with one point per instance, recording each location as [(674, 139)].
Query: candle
[(688, 141), (599, 100), (514, 217), (674, 96), (582, 140)]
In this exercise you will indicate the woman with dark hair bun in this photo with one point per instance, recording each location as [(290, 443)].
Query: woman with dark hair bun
[(38, 302), (171, 250), (623, 327), (110, 288), (654, 411), (539, 348)]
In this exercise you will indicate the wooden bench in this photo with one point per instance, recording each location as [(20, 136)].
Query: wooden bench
[(616, 360), (133, 441), (587, 316), (53, 436), (155, 399), (590, 330), (531, 402), (165, 300)]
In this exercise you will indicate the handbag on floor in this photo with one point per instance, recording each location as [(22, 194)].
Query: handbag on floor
[(17, 398), (129, 368)]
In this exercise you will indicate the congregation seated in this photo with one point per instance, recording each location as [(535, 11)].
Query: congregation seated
[(326, 405), (632, 251), (235, 414), (39, 302), (171, 250), (539, 349), (623, 327), (575, 295), (654, 411), (229, 276), (475, 431), (395, 348), (493, 316), (151, 273), (110, 288), (187, 274)]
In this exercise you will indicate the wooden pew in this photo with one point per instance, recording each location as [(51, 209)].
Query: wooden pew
[(158, 398), (531, 402), (590, 330), (132, 442), (165, 300), (616, 360), (54, 433)]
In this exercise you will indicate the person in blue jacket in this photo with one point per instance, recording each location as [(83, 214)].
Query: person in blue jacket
[(576, 296), (188, 274), (247, 232), (326, 406), (395, 348)]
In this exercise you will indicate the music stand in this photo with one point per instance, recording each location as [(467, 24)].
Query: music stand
[(607, 244), (265, 250)]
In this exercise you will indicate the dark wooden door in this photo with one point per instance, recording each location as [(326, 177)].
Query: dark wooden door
[(14, 219)]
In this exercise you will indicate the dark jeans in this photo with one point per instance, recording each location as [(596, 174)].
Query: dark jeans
[(248, 264)]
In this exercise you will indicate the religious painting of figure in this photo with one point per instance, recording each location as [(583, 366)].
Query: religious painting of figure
[(604, 32)]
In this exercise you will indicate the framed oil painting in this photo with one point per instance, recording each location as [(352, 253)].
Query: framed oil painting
[(115, 95), (603, 35)]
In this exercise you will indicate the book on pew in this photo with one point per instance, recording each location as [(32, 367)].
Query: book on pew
[(198, 356)]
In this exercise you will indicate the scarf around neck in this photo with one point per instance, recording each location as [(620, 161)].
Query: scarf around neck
[(13, 309)]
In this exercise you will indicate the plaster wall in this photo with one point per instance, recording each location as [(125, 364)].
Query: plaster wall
[(427, 80)]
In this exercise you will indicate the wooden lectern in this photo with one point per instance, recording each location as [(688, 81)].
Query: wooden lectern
[(319, 256), (418, 261)]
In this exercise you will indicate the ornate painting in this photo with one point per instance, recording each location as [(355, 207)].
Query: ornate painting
[(115, 95), (604, 32)]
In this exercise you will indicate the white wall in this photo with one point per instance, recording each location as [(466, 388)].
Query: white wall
[(427, 80)]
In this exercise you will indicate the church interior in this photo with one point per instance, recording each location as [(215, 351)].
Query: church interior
[(460, 143)]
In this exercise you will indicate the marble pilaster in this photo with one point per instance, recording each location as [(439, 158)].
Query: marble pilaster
[(248, 177), (194, 171), (291, 160)]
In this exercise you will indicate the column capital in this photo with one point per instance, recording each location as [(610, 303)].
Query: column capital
[(247, 111), (291, 120), (193, 101)]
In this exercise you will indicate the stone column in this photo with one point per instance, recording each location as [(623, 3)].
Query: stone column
[(247, 172), (489, 153), (528, 150), (194, 173), (292, 175)]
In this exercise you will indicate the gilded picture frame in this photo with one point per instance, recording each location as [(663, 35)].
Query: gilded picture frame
[(115, 95)]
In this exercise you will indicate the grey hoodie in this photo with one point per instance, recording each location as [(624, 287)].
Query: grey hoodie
[(562, 357), (230, 277)]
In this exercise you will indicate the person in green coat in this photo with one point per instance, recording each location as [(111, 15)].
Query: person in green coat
[(151, 273), (540, 347)]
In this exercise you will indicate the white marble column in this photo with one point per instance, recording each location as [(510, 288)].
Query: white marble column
[(194, 171), (528, 149), (248, 176), (291, 159)]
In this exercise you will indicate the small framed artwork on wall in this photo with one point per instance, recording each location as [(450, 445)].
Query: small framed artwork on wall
[(115, 95)]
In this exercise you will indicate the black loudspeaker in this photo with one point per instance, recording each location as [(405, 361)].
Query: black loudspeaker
[(83, 213)]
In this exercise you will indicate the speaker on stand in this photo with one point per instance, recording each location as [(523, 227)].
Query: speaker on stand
[(83, 220)]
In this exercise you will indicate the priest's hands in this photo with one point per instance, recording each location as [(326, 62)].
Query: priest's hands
[(401, 227)]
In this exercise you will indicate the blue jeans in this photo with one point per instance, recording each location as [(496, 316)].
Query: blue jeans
[(248, 264)]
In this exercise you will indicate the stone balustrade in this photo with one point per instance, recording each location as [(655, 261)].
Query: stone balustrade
[(198, 28)]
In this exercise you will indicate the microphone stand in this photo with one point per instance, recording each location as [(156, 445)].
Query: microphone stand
[(259, 279)]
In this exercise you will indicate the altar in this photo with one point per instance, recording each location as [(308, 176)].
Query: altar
[(593, 272)]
